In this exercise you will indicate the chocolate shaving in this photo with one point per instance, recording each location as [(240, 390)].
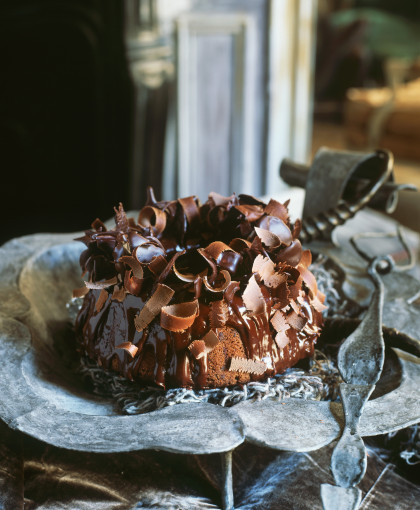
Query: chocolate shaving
[(268, 238), (248, 366), (81, 292), (158, 265), (153, 218), (179, 317), (134, 264), (318, 305), (253, 297), (297, 229), (128, 347), (99, 225), (309, 279), (101, 285), (121, 220), (281, 295), (274, 208), (219, 287), (265, 268), (103, 296), (279, 322), (160, 298), (197, 349), (118, 294), (210, 340), (281, 339), (296, 321), (219, 314), (200, 348)]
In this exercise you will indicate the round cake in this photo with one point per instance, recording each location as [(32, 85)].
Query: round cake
[(198, 295)]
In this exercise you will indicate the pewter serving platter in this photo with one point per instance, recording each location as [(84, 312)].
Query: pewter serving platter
[(43, 398)]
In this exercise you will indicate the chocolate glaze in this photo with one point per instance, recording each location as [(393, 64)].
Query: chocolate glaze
[(163, 357)]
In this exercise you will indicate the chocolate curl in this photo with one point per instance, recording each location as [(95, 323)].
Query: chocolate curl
[(179, 317), (219, 314), (158, 265), (132, 285), (210, 261), (99, 225), (278, 227), (221, 286), (187, 277), (135, 239), (238, 244), (169, 266), (118, 294), (153, 218), (103, 296), (296, 321), (224, 255), (101, 285), (134, 264), (251, 212), (306, 275), (78, 293), (216, 248), (231, 290), (189, 206), (220, 200), (121, 220), (160, 298), (146, 252), (128, 347), (274, 208), (248, 366), (268, 238), (297, 229), (253, 297), (306, 259)]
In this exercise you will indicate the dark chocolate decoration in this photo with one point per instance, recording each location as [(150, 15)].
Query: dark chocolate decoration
[(189, 292)]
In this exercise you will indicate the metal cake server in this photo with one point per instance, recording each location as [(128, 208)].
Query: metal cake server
[(360, 361)]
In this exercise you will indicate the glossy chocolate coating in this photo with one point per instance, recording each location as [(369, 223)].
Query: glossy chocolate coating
[(164, 357)]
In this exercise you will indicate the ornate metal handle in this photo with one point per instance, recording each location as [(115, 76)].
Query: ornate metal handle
[(360, 361)]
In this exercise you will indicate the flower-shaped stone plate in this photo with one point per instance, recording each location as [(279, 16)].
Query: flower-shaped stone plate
[(42, 397)]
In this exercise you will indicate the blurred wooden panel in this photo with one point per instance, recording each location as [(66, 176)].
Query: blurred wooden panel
[(216, 106)]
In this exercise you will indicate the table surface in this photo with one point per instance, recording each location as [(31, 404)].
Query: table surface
[(34, 475)]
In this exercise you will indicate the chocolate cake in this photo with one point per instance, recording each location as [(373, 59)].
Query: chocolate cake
[(199, 296)]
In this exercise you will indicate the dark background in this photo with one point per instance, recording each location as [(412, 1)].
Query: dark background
[(65, 102)]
